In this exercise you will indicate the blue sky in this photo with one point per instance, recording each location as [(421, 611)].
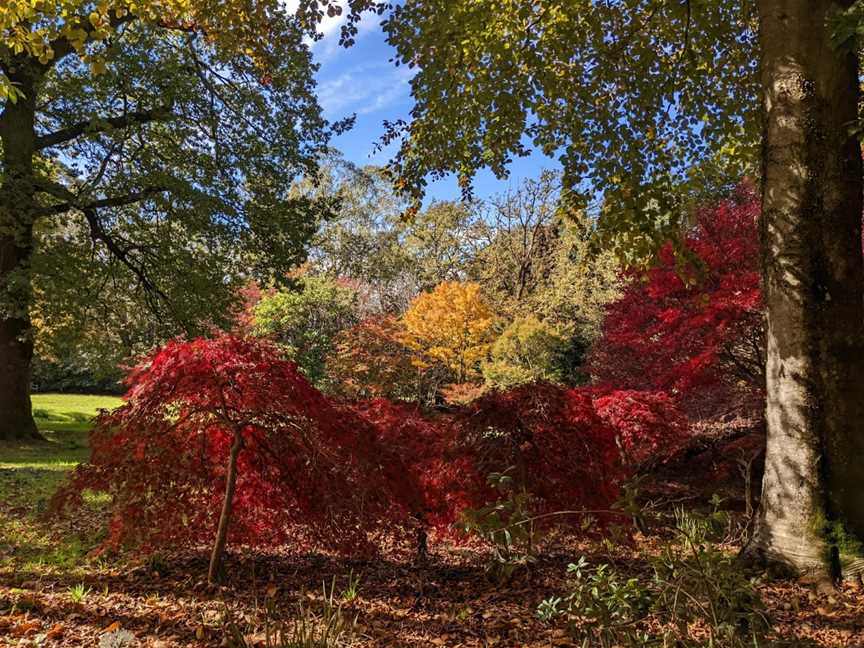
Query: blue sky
[(361, 80)]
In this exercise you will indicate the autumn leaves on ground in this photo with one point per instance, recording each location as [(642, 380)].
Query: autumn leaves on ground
[(257, 391)]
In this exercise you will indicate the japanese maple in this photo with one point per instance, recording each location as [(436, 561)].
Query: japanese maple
[(442, 470), (649, 426), (552, 440), (693, 329), (306, 468)]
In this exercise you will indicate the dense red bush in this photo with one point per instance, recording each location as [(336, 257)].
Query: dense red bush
[(559, 449), (443, 471), (694, 331), (315, 471), (649, 427), (309, 470)]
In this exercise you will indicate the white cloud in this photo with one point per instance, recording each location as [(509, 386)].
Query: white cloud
[(363, 89), (330, 29)]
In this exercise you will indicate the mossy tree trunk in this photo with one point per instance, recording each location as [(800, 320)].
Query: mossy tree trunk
[(17, 213), (813, 283)]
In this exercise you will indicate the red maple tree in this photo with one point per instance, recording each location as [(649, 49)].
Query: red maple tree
[(227, 423), (693, 330), (553, 442), (649, 427)]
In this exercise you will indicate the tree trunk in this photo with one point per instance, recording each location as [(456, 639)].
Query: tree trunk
[(17, 212), (813, 281), (16, 352), (213, 573)]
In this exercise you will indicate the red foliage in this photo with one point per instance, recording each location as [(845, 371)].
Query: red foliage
[(648, 425), (560, 450), (309, 470), (314, 471), (443, 472), (699, 340)]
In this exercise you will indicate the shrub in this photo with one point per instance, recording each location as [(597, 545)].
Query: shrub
[(648, 425), (371, 360), (306, 321), (442, 470), (551, 442), (528, 351), (695, 588), (306, 469)]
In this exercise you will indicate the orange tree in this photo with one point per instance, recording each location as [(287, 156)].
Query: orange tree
[(453, 326)]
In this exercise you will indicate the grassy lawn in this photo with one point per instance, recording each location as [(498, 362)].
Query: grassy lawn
[(64, 420), (30, 473)]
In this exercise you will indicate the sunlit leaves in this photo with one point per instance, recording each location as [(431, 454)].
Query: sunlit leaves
[(627, 95), (451, 325), (695, 332)]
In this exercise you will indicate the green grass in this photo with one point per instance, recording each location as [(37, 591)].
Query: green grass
[(64, 420), (31, 472)]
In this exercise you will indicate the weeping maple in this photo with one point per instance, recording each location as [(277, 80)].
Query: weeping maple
[(443, 471), (225, 439), (552, 441), (649, 426)]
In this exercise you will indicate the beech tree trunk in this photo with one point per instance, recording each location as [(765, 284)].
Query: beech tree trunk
[(214, 572), (17, 213), (813, 282)]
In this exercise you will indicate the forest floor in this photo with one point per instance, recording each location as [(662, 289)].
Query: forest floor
[(55, 592)]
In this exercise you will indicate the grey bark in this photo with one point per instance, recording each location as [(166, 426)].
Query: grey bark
[(214, 572), (813, 282)]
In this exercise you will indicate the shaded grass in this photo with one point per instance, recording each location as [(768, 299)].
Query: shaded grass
[(31, 472)]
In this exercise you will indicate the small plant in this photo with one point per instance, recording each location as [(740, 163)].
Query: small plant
[(608, 605), (118, 639), (156, 563), (352, 587), (507, 525), (77, 593), (307, 627), (693, 584)]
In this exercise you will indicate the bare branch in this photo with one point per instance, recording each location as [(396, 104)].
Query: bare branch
[(122, 254), (73, 201)]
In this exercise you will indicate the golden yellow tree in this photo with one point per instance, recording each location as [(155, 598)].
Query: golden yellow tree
[(452, 325)]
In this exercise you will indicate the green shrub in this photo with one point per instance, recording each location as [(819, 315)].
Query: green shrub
[(506, 525), (528, 350), (692, 583)]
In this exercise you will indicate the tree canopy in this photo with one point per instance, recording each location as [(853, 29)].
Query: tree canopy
[(630, 96)]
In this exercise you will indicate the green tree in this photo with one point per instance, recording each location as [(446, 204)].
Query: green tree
[(528, 350), (170, 132), (632, 96), (440, 242), (305, 322), (536, 258)]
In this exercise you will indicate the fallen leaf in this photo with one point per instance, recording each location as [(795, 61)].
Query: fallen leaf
[(25, 628), (111, 628)]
